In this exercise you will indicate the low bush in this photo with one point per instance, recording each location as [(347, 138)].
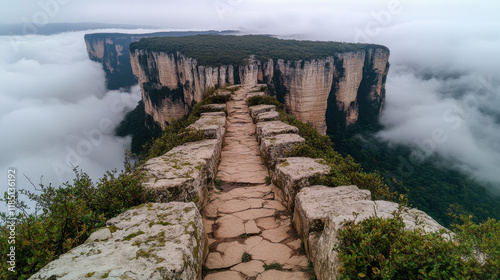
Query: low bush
[(65, 216), (378, 248)]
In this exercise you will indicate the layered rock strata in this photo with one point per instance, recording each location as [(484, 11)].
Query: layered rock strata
[(111, 50), (172, 83), (329, 92)]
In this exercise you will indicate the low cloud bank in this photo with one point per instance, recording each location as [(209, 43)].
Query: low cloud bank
[(56, 112)]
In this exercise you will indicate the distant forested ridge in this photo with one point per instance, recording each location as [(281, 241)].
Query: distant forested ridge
[(213, 50)]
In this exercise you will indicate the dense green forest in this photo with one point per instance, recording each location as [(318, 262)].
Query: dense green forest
[(430, 188), (213, 50)]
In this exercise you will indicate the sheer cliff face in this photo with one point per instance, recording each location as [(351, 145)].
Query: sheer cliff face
[(112, 51), (329, 93), (172, 83)]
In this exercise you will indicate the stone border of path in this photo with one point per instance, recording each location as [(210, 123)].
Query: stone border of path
[(164, 240), (318, 211)]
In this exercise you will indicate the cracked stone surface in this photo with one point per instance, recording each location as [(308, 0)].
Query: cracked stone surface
[(251, 268), (151, 241), (244, 216)]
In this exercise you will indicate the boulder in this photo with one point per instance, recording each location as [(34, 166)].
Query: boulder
[(267, 116), (151, 241), (255, 93), (258, 109), (272, 148), (294, 173), (215, 107), (272, 128), (321, 211), (213, 125), (184, 173)]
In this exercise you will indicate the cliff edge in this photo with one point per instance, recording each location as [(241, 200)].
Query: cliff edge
[(111, 50), (328, 84)]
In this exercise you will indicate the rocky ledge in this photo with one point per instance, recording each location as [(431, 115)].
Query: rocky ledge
[(151, 241), (320, 213)]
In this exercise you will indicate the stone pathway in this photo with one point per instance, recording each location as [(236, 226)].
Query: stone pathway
[(243, 220)]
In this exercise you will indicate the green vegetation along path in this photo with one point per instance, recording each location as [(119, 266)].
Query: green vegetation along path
[(250, 233)]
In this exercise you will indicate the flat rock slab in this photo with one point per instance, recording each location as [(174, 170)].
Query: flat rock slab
[(151, 241), (233, 206), (294, 173), (212, 124), (224, 275), (267, 117), (321, 211), (253, 214), (251, 268), (255, 93), (283, 275), (227, 255), (269, 252), (259, 109), (229, 226), (183, 173), (274, 147), (277, 234), (215, 107), (273, 128)]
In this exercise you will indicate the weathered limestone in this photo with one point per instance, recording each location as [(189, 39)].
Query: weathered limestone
[(259, 109), (215, 107), (320, 212), (183, 173), (256, 93), (272, 148), (267, 116), (294, 173), (273, 128), (151, 241), (213, 125), (175, 73), (308, 86)]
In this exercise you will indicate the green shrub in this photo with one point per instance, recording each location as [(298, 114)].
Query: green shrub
[(268, 180), (66, 216), (276, 266), (246, 257), (378, 248), (218, 184), (214, 50)]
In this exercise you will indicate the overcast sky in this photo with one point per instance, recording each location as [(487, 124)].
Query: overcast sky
[(444, 78)]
